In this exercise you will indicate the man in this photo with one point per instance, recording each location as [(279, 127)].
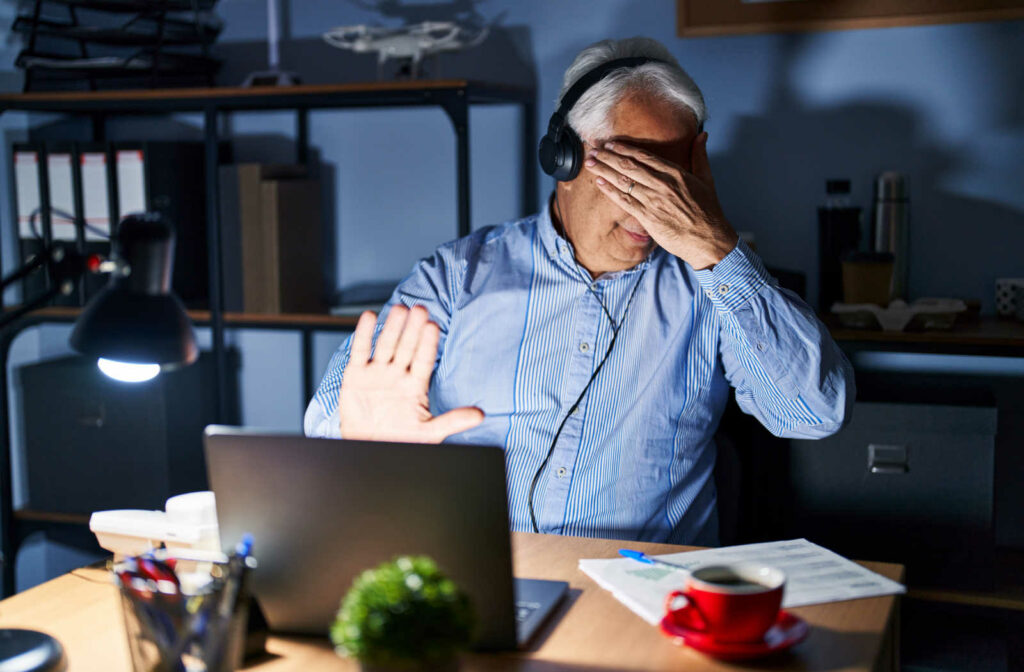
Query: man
[(596, 341)]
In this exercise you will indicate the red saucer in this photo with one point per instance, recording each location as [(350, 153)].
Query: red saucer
[(787, 631)]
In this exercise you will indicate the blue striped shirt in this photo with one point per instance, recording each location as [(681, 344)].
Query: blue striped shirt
[(523, 329)]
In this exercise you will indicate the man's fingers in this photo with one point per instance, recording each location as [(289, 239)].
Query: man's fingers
[(423, 359), (362, 339), (621, 170), (410, 337), (699, 159), (619, 180), (388, 338), (627, 202), (455, 421), (641, 156)]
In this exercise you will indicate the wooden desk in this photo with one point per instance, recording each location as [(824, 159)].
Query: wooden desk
[(591, 630)]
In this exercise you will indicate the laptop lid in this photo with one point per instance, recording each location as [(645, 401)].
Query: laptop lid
[(323, 510)]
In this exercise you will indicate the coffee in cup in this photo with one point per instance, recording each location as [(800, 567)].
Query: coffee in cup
[(729, 602)]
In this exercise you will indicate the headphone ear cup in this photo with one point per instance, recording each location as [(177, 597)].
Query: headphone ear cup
[(571, 152), (561, 158), (548, 155)]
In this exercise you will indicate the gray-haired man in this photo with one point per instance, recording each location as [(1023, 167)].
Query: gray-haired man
[(597, 340)]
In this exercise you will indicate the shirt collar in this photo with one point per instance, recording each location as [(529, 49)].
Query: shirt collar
[(560, 250)]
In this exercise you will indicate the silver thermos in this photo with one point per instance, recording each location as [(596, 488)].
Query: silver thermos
[(890, 226)]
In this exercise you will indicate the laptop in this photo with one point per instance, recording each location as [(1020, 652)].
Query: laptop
[(323, 510)]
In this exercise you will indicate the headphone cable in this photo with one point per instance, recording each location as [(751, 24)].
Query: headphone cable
[(572, 409)]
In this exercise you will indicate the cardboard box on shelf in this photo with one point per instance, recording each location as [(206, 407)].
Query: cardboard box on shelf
[(272, 239)]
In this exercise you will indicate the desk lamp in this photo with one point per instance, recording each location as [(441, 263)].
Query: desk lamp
[(136, 327)]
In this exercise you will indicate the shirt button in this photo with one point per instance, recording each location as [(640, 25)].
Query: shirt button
[(708, 293), (761, 347), (723, 289), (584, 347), (562, 471)]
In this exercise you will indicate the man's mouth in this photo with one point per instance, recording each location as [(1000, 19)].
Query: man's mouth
[(641, 237)]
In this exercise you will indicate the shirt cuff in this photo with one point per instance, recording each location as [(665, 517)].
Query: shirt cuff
[(316, 423), (734, 279)]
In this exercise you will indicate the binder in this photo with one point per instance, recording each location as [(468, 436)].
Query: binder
[(62, 198), (169, 178), (89, 186), (131, 181), (95, 193), (26, 191), (31, 190), (92, 180)]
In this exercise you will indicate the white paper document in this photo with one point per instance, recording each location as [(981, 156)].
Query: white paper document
[(814, 575)]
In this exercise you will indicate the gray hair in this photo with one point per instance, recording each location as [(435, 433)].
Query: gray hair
[(589, 117)]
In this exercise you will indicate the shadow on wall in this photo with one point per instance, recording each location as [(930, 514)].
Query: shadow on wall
[(772, 178)]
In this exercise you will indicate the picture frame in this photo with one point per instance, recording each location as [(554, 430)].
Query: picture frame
[(700, 18)]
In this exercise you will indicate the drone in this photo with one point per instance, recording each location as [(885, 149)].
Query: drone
[(407, 43)]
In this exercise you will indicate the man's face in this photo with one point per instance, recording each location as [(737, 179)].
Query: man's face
[(605, 237)]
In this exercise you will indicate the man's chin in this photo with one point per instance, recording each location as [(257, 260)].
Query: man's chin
[(634, 254)]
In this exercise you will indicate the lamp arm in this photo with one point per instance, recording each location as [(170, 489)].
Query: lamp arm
[(64, 266), (10, 316), (34, 262)]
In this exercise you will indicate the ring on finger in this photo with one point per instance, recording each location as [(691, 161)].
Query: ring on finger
[(629, 191)]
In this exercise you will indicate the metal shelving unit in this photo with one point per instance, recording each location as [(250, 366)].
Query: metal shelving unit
[(158, 43), (454, 97)]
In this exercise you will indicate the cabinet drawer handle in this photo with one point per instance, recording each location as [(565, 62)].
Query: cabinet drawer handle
[(888, 459), (889, 469)]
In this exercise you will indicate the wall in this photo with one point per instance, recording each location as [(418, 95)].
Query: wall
[(940, 103)]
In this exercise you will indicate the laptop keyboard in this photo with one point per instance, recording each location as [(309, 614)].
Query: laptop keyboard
[(524, 609)]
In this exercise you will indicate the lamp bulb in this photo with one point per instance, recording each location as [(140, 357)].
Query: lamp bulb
[(128, 372)]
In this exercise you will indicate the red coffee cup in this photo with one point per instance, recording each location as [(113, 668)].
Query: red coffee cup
[(729, 603)]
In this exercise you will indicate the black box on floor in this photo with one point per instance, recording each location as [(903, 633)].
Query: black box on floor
[(93, 443)]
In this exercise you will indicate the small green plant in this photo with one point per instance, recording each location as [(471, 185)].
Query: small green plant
[(402, 613)]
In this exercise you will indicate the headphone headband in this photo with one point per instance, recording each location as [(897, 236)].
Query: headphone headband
[(560, 150), (592, 77)]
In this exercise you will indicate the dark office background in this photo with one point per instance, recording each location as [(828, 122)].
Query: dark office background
[(943, 104)]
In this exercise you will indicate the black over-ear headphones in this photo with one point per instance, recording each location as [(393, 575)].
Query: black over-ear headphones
[(561, 151)]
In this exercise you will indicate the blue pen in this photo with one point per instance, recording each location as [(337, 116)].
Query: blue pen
[(640, 556)]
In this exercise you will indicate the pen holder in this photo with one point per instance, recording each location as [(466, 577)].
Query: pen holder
[(174, 628)]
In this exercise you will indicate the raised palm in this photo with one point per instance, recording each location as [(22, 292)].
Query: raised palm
[(385, 398)]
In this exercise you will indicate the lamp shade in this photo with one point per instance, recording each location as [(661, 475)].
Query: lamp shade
[(136, 318), (137, 329)]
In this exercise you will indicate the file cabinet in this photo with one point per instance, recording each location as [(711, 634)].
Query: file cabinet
[(900, 481)]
